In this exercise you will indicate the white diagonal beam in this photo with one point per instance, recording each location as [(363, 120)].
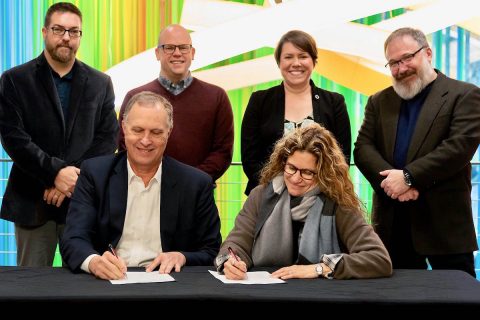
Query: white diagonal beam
[(251, 32)]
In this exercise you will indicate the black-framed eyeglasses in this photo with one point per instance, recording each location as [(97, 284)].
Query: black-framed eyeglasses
[(73, 33), (170, 48), (306, 174), (394, 64)]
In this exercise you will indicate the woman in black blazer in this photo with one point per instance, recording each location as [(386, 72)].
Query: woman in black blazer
[(294, 103)]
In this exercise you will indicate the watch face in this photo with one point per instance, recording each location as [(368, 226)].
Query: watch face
[(406, 178), (319, 269), (221, 259)]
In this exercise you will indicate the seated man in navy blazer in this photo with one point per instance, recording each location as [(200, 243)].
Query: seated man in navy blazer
[(155, 211)]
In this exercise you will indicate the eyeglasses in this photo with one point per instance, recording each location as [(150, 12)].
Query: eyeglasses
[(304, 173), (73, 33), (170, 48), (406, 59)]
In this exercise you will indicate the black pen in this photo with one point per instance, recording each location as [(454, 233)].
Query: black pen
[(115, 255)]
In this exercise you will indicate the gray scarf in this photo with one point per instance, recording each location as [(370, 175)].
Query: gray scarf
[(273, 244)]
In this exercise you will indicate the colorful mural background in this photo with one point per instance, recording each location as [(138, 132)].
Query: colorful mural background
[(115, 30)]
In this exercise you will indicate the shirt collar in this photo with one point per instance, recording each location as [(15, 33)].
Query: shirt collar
[(132, 175), (68, 76), (176, 88)]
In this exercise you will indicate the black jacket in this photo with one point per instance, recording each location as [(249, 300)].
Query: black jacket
[(40, 143), (262, 125)]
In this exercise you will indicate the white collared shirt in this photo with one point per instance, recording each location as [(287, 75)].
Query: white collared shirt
[(140, 242)]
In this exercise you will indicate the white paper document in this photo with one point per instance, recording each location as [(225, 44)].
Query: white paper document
[(144, 277), (254, 277)]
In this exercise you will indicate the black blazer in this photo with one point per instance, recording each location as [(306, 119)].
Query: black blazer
[(263, 125), (189, 220), (40, 142), (444, 141)]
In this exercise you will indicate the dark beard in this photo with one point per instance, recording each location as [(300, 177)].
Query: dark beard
[(63, 58)]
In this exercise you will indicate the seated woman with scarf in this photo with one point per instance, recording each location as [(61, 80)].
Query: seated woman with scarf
[(304, 217)]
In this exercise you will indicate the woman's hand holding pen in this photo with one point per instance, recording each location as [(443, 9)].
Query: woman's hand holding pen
[(234, 268), (108, 267)]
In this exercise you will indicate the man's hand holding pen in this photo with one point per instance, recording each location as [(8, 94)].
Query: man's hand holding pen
[(108, 266), (234, 268)]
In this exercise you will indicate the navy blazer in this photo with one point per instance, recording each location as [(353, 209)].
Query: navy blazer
[(189, 220), (263, 125), (40, 142)]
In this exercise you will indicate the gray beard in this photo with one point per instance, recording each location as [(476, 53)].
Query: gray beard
[(409, 90)]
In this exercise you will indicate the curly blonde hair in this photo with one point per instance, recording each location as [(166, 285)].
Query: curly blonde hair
[(332, 170)]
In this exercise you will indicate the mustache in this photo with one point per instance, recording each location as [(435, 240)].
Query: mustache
[(401, 76), (64, 45)]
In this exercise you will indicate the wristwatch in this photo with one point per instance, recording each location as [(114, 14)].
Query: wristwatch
[(319, 270), (407, 177), (220, 260)]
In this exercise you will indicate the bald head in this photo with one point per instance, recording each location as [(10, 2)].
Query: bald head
[(174, 31)]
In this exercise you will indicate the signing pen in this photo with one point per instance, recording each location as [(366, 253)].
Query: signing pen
[(115, 255), (233, 253)]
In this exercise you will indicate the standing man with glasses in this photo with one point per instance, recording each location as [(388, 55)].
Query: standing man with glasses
[(55, 112), (203, 132), (415, 147)]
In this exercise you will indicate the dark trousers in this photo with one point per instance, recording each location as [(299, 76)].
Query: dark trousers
[(404, 255), (36, 245)]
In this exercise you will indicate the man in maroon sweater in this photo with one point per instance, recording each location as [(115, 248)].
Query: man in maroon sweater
[(203, 133)]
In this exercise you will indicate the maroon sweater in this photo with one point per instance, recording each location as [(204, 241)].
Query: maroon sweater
[(202, 133)]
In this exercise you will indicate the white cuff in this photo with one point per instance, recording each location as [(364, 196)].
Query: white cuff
[(331, 260), (86, 262)]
